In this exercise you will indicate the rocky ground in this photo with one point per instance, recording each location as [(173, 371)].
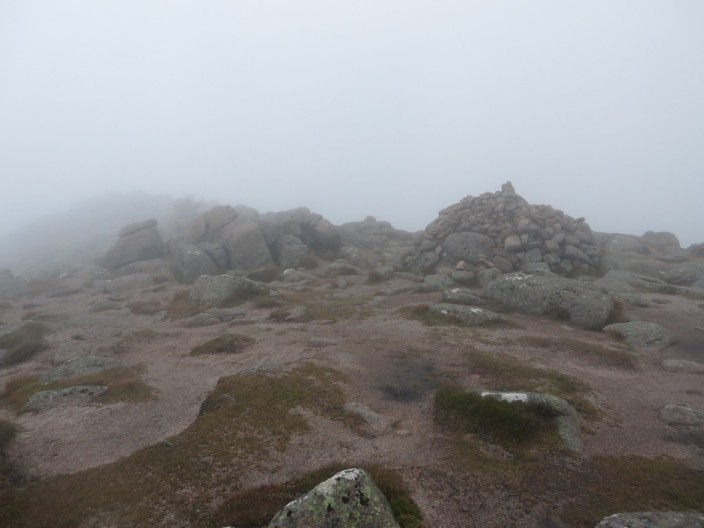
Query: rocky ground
[(387, 361)]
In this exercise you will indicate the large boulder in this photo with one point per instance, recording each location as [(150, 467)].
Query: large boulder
[(653, 520), (191, 261), (138, 241), (349, 498), (578, 301), (245, 246), (289, 251)]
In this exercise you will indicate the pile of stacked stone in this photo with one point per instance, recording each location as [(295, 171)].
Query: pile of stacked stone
[(501, 230)]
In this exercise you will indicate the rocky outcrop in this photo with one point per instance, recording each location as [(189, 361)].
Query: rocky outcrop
[(138, 241), (502, 230), (653, 520), (372, 243), (569, 299), (349, 498)]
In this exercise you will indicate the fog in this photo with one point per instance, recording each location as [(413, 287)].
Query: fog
[(391, 108)]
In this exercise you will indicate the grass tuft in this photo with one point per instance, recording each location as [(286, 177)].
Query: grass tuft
[(269, 274), (224, 344), (507, 423), (149, 307), (23, 343), (180, 307)]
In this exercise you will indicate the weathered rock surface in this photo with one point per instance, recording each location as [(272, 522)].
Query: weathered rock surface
[(675, 414), (683, 365), (653, 520), (641, 334), (139, 241), (349, 498), (470, 315), (75, 395), (503, 231), (191, 261), (577, 301), (462, 296), (78, 366), (216, 290)]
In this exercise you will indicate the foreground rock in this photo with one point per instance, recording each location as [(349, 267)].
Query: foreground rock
[(577, 301), (349, 498), (683, 365), (641, 334), (674, 414), (653, 520)]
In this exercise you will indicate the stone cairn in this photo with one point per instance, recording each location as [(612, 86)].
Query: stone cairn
[(501, 230)]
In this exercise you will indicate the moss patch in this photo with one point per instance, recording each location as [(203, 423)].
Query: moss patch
[(224, 344), (504, 373)]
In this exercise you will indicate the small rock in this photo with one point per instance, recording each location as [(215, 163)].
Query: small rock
[(683, 365), (70, 396), (674, 414), (641, 334), (80, 365), (653, 520), (374, 420)]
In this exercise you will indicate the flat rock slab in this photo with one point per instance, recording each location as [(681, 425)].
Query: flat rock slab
[(462, 296), (674, 414), (376, 422), (683, 365), (80, 365), (470, 315), (653, 520), (76, 395), (350, 498), (641, 334)]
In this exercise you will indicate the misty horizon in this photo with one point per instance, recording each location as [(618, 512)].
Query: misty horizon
[(394, 109)]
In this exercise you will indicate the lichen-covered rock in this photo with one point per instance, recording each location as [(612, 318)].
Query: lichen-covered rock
[(462, 296), (75, 395), (349, 498), (471, 315), (653, 520), (641, 334), (191, 261), (80, 365), (216, 290), (581, 303)]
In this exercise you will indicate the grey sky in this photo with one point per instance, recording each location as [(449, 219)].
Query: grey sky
[(390, 108)]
